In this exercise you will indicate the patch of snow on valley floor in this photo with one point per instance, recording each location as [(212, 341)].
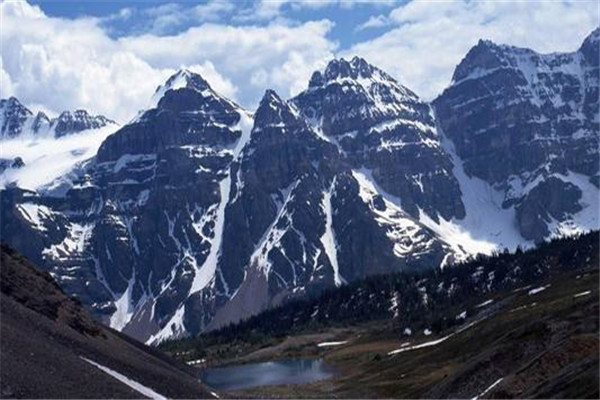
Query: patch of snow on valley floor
[(537, 290), (331, 344), (586, 293)]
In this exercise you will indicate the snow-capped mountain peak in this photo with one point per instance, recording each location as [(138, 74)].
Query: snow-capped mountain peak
[(77, 121), (13, 117), (17, 120), (184, 78), (274, 111), (538, 113), (358, 73), (183, 81), (354, 69)]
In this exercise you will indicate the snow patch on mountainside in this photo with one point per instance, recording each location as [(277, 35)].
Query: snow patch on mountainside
[(328, 238), (273, 234), (74, 242), (35, 214), (408, 237), (585, 220), (487, 226), (47, 158), (206, 273), (174, 328), (138, 387), (125, 309)]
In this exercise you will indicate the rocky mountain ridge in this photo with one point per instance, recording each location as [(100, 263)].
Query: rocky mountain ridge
[(527, 124), (17, 120), (199, 213)]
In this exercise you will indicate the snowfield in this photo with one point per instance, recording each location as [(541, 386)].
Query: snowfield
[(47, 158)]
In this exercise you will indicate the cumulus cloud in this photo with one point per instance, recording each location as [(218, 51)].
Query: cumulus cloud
[(67, 64), (6, 86), (429, 40), (277, 56), (74, 63), (60, 63)]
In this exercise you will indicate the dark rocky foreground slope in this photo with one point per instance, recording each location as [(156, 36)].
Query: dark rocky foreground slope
[(46, 336)]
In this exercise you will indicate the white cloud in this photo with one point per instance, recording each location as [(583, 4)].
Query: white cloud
[(375, 21), (168, 17), (277, 56), (66, 64), (218, 82), (6, 85), (63, 64), (272, 9), (430, 39)]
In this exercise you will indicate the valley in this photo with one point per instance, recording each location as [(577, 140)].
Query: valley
[(532, 341), (299, 199)]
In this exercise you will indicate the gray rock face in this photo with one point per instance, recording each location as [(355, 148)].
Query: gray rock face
[(380, 125), (16, 119), (195, 206), (551, 200), (77, 121), (6, 163), (518, 118)]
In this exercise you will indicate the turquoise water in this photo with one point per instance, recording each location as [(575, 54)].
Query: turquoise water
[(291, 371)]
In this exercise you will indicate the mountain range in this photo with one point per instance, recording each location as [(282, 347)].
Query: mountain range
[(199, 213)]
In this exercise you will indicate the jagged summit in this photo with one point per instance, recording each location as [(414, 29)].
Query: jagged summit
[(16, 119), (357, 72), (593, 37), (271, 97), (12, 101), (341, 68), (189, 87), (184, 78), (13, 115), (488, 55), (347, 94), (274, 111), (78, 120), (185, 110)]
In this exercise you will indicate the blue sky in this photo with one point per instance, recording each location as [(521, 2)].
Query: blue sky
[(109, 56), (346, 15)]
